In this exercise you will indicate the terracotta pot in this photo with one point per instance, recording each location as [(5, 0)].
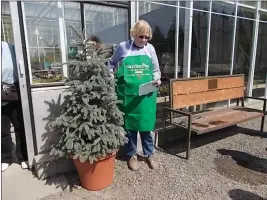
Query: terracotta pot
[(98, 175)]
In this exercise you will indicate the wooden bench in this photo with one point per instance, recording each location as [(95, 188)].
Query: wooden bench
[(186, 92)]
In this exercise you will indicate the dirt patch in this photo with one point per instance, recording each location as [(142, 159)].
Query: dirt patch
[(231, 169), (217, 122), (200, 125)]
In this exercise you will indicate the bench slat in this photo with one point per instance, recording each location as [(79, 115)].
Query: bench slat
[(193, 99), (188, 86), (225, 117)]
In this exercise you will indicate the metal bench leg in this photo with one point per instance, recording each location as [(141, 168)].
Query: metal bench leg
[(263, 118), (243, 102), (164, 125), (237, 102), (189, 137), (262, 123)]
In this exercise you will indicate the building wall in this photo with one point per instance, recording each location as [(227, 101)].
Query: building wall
[(47, 105)]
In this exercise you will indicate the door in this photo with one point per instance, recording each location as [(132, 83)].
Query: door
[(17, 24)]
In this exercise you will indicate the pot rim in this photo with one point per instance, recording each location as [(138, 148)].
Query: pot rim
[(99, 159)]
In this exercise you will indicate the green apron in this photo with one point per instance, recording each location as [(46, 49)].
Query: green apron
[(140, 111)]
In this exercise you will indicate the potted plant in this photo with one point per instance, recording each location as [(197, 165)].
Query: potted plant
[(91, 122)]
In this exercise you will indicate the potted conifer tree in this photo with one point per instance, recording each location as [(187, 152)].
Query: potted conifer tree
[(91, 123)]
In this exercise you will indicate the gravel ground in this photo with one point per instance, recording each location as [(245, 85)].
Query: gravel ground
[(226, 164)]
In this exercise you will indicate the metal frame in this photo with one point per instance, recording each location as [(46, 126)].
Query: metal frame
[(23, 74), (208, 41), (233, 42), (242, 101), (188, 38), (253, 51), (63, 39), (233, 45), (82, 17), (132, 14), (27, 41), (137, 11), (108, 3), (177, 31), (263, 109)]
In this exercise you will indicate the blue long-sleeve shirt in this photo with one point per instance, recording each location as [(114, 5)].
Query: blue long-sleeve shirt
[(9, 65), (123, 49)]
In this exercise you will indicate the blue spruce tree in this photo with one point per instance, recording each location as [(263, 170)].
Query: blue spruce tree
[(91, 123)]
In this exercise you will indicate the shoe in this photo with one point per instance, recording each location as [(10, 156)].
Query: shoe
[(4, 166), (132, 163), (24, 165), (151, 162)]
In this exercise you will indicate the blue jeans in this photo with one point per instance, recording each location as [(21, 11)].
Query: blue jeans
[(146, 139)]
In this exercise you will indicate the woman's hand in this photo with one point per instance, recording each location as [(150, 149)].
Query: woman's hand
[(157, 82)]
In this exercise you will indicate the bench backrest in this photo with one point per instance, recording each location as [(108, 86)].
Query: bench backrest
[(185, 92)]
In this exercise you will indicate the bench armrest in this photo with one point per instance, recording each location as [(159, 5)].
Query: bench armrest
[(262, 99), (256, 98), (178, 111), (188, 127)]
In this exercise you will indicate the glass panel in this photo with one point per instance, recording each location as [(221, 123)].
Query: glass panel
[(145, 7), (246, 12), (122, 2), (261, 58), (106, 25), (221, 38), (72, 16), (264, 4), (243, 45), (6, 25), (162, 20), (250, 3), (201, 5), (182, 3), (43, 40), (223, 8), (199, 42), (45, 65)]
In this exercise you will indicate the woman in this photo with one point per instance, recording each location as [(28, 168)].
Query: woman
[(133, 63)]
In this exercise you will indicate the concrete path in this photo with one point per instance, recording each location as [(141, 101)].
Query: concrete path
[(19, 184)]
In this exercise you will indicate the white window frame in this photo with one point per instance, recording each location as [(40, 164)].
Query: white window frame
[(62, 35), (253, 51)]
